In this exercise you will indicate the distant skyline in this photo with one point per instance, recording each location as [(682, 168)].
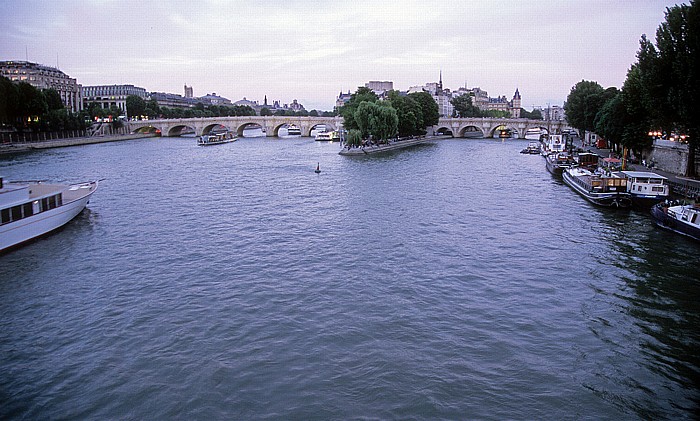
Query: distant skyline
[(312, 50)]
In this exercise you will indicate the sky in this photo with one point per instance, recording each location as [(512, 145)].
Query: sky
[(311, 50)]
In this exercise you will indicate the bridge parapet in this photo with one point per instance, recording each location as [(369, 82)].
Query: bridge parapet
[(489, 125), (270, 124)]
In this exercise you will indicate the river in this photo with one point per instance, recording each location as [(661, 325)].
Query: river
[(453, 280)]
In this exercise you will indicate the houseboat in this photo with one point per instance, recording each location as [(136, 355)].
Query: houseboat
[(646, 188), (557, 162), (30, 209), (680, 218), (599, 189)]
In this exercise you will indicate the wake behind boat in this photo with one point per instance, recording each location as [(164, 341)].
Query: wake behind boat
[(34, 208)]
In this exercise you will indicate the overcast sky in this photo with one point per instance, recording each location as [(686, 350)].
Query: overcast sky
[(311, 50)]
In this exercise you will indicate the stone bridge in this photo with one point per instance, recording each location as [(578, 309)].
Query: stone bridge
[(462, 127), (269, 124), (459, 127)]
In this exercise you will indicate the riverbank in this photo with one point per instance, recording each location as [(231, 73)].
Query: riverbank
[(11, 148), (392, 145)]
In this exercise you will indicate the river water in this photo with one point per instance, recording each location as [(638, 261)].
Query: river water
[(454, 280)]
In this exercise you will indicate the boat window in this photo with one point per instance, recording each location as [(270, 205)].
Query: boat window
[(59, 200), (51, 202), (694, 218), (16, 212), (28, 211), (5, 216), (36, 206)]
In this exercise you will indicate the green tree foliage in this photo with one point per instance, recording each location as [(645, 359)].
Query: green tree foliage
[(135, 106), (363, 94), (670, 73), (463, 107), (25, 107), (409, 112), (313, 113), (379, 120), (53, 100), (583, 103), (429, 108), (265, 111), (532, 115)]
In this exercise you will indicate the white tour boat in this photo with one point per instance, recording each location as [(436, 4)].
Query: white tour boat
[(33, 208), (333, 136), (216, 139), (293, 131)]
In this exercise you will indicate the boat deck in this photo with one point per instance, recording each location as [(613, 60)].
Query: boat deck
[(70, 193)]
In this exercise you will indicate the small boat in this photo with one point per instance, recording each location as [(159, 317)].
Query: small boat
[(30, 209), (216, 139), (318, 168), (646, 188), (680, 218), (557, 162), (597, 188), (324, 136), (293, 131), (532, 148)]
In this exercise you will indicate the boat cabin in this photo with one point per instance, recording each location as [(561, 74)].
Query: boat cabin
[(19, 201), (555, 143), (608, 184), (646, 183), (587, 160)]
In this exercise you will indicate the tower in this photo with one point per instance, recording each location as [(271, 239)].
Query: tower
[(515, 112), (188, 91)]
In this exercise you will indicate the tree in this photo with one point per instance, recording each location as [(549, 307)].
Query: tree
[(377, 119), (53, 99), (363, 94), (535, 114), (670, 73), (463, 107), (135, 106), (409, 113), (429, 108), (265, 111), (583, 103), (313, 113)]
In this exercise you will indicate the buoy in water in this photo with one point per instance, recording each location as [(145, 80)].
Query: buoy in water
[(318, 168)]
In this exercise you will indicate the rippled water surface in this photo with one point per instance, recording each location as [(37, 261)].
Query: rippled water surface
[(454, 280)]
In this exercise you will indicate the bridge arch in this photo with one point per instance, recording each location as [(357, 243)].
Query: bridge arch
[(327, 126), (470, 131), (444, 130), (178, 129), (147, 129), (249, 125), (499, 127), (211, 127)]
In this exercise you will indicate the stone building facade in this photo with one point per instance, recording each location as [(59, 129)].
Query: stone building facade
[(45, 77), (111, 95)]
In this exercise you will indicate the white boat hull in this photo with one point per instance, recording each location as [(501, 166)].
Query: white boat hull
[(26, 229)]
